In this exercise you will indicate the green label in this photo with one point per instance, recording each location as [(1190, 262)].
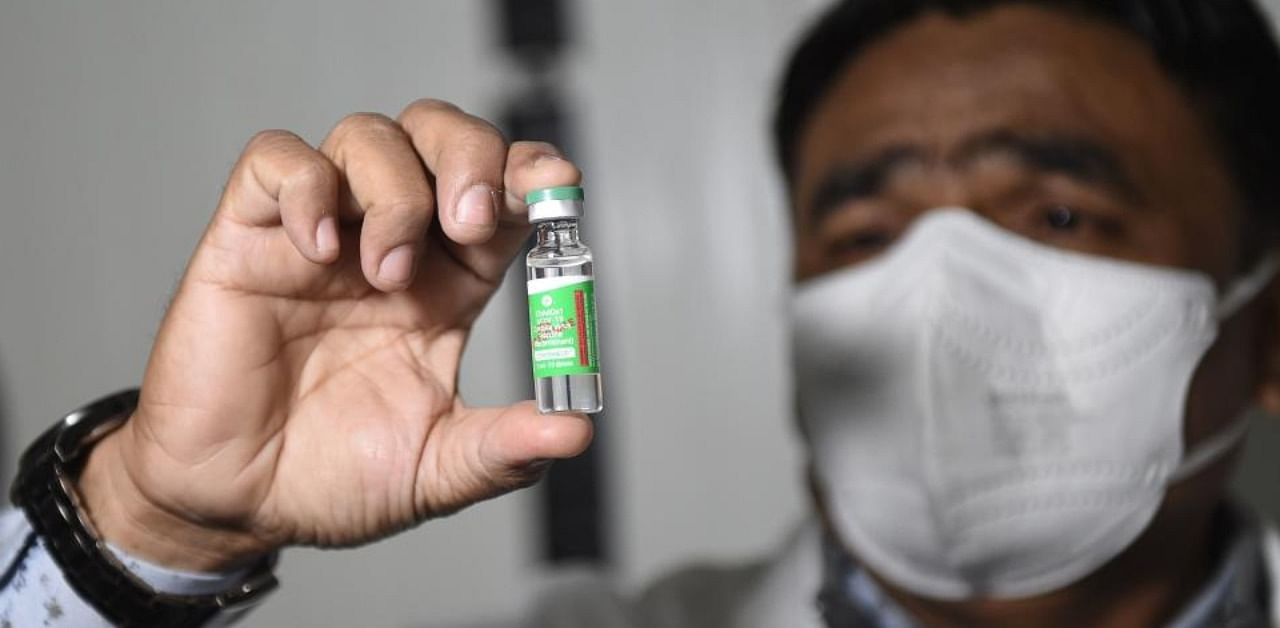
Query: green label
[(562, 326)]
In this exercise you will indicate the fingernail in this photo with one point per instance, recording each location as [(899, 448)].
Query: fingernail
[(327, 235), (545, 158), (397, 266), (476, 206)]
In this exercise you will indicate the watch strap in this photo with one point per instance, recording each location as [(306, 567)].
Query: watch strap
[(44, 490)]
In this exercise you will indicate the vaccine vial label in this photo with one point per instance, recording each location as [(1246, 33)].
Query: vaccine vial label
[(562, 326)]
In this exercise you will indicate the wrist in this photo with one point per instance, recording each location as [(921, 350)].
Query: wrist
[(126, 518)]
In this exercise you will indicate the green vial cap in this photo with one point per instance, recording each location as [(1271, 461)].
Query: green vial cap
[(562, 193)]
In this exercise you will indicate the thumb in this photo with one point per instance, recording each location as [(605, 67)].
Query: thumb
[(497, 450)]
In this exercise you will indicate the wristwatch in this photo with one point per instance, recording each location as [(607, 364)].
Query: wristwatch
[(45, 490)]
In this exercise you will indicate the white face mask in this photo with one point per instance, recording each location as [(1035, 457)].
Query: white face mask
[(989, 416)]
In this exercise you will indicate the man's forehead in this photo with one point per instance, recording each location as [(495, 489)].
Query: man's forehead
[(939, 64), (940, 82)]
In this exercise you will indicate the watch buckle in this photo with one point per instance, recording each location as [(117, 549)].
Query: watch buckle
[(249, 593)]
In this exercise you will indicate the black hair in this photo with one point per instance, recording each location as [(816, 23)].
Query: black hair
[(1222, 54)]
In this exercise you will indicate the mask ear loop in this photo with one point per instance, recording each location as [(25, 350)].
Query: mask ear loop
[(1240, 293), (1244, 289), (1211, 449), (1237, 296)]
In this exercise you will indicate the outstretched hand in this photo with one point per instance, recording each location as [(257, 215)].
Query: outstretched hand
[(303, 386)]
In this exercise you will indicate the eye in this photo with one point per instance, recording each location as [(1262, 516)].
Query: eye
[(1062, 217), (858, 232), (863, 241), (1073, 225)]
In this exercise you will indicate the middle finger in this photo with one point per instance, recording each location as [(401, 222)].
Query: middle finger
[(390, 190)]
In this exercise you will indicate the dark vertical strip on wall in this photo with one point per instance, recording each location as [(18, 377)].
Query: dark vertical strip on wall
[(535, 33), (6, 474)]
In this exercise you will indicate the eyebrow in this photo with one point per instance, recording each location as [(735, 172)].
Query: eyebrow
[(1075, 157), (861, 179)]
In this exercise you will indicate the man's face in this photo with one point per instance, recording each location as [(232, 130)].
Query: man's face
[(1057, 127), (1060, 128)]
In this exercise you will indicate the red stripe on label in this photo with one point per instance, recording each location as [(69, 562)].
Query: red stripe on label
[(580, 304)]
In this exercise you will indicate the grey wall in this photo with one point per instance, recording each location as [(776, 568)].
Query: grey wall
[(119, 121)]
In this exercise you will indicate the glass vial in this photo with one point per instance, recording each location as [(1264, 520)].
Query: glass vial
[(562, 306)]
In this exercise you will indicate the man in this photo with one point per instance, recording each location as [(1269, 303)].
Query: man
[(1019, 413)]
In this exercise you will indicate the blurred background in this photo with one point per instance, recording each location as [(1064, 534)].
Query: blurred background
[(118, 125)]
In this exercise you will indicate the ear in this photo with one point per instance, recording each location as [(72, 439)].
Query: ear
[(1267, 394)]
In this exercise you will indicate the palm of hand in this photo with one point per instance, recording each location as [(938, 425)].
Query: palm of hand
[(334, 405)]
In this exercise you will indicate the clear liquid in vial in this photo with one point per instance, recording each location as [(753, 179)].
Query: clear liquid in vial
[(565, 393)]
